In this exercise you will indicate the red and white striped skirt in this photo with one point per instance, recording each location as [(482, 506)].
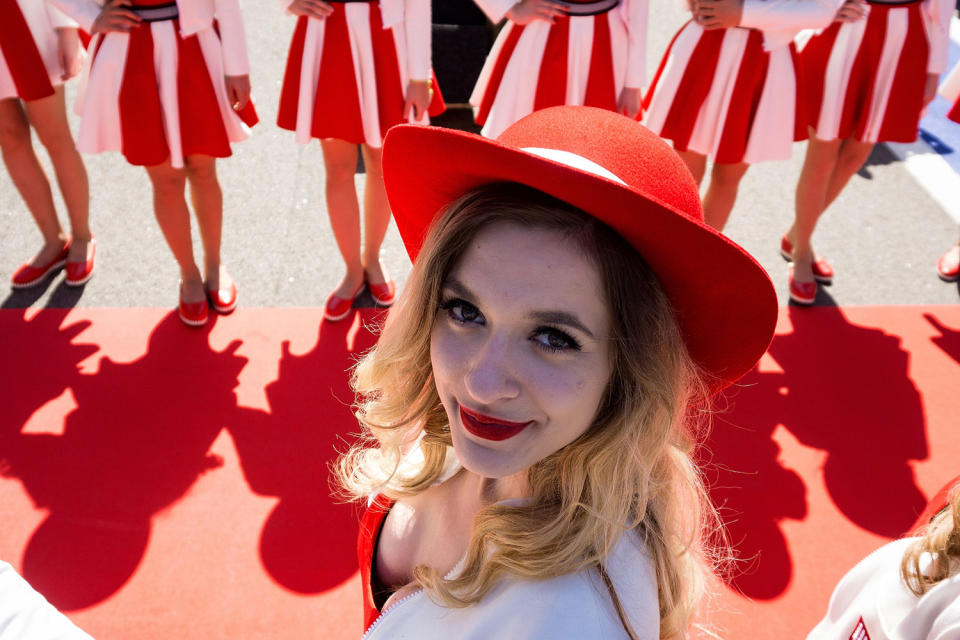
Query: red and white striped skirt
[(29, 52), (577, 60), (950, 89), (156, 96), (865, 79), (346, 77), (718, 93)]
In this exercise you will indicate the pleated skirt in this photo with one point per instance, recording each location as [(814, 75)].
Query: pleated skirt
[(29, 52)]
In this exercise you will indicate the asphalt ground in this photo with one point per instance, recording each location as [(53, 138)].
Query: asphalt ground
[(883, 235)]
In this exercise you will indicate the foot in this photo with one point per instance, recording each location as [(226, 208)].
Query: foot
[(221, 291), (375, 273), (80, 271), (350, 286), (801, 291), (822, 270), (382, 289), (948, 266), (50, 251), (81, 249), (217, 278), (191, 290)]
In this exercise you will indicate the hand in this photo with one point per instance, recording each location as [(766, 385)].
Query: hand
[(717, 14), (71, 52), (930, 89), (851, 11), (238, 91), (113, 17), (419, 94), (630, 103), (526, 11), (311, 8)]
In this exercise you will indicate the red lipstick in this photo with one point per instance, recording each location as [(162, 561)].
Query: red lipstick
[(490, 428)]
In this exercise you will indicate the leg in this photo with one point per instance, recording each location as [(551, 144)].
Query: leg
[(722, 193), (29, 178), (811, 200), (49, 117), (696, 163), (207, 199), (340, 162), (853, 154), (173, 216), (376, 216)]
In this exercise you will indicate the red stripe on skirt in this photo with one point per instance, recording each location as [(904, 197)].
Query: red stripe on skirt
[(693, 89), (813, 70), (800, 116), (336, 109), (954, 113), (29, 74), (901, 119), (496, 75), (860, 90), (601, 91), (290, 91), (552, 77), (663, 63), (202, 131), (742, 110)]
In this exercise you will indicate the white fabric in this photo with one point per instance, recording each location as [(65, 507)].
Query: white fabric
[(937, 14), (570, 607), (42, 21), (873, 591), (195, 16), (782, 20), (26, 615), (518, 87), (771, 136), (98, 100), (412, 41), (950, 89)]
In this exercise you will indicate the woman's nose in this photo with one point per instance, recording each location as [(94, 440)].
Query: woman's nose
[(490, 373)]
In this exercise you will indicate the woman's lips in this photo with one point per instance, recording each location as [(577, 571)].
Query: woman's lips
[(490, 428)]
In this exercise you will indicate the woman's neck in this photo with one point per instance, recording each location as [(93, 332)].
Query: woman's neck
[(481, 491)]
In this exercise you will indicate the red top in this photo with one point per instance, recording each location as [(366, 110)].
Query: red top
[(370, 526)]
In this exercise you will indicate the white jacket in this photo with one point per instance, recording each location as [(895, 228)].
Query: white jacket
[(570, 607), (872, 601), (25, 614), (195, 16)]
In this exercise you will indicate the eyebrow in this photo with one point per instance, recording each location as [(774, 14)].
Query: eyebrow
[(550, 317)]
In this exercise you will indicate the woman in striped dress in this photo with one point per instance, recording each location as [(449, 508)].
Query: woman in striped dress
[(578, 52), (168, 86), (867, 82), (727, 89), (39, 50), (355, 69)]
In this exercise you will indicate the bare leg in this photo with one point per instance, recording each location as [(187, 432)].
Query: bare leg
[(29, 178), (853, 154), (340, 161), (49, 117), (207, 199), (696, 163), (376, 216), (722, 193), (811, 200), (173, 216)]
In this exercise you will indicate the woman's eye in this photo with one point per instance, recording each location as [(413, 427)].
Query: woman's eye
[(462, 311), (555, 340)]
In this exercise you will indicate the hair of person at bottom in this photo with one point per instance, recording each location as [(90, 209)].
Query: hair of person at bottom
[(941, 540)]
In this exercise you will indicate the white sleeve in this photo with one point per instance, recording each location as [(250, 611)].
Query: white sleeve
[(83, 11), (937, 14), (24, 613), (416, 24), (232, 38), (59, 19), (780, 15), (637, 14), (496, 10)]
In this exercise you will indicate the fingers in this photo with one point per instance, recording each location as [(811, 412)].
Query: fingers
[(312, 8), (407, 106)]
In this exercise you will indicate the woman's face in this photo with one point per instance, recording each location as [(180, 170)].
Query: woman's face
[(520, 348)]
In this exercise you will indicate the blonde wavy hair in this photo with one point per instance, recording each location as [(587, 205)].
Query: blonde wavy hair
[(941, 539), (631, 469)]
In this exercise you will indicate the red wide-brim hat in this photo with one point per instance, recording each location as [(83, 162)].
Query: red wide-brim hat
[(618, 171)]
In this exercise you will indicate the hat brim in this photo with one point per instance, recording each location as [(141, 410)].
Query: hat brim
[(724, 302)]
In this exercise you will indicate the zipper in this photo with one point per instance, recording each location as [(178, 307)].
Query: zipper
[(393, 607)]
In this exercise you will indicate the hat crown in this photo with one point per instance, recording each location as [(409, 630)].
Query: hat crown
[(625, 148)]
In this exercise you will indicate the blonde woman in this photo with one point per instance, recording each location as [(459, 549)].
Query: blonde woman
[(906, 589), (529, 405)]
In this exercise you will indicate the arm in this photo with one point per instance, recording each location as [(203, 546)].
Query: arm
[(235, 61), (937, 14), (85, 12)]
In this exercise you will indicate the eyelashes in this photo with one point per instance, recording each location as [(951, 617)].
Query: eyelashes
[(548, 338)]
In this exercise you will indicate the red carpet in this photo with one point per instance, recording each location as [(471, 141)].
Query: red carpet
[(158, 482)]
